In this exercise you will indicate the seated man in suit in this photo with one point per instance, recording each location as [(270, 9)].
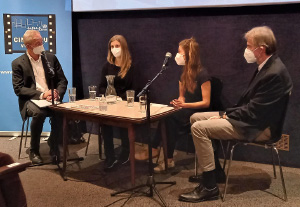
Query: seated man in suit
[(255, 117), (32, 80), (11, 189)]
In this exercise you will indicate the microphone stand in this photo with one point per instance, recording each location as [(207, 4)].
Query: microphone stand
[(51, 75), (150, 180)]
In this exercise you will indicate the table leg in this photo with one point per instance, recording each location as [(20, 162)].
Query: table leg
[(164, 142), (131, 136)]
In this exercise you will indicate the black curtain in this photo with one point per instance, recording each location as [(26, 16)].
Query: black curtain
[(219, 31)]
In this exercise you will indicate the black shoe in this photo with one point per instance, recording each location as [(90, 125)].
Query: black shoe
[(123, 158), (35, 158), (72, 140), (110, 164), (55, 156), (76, 140), (200, 193), (220, 174)]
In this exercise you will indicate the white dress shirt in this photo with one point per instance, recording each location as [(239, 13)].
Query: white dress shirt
[(263, 63), (39, 74)]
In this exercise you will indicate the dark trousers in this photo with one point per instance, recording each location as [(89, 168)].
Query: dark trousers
[(11, 189), (107, 132), (177, 124), (38, 118)]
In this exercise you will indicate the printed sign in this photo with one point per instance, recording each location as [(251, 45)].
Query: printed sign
[(15, 26)]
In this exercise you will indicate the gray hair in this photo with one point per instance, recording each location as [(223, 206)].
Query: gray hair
[(263, 36), (29, 36)]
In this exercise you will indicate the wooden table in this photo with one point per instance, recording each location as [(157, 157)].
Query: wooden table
[(116, 115)]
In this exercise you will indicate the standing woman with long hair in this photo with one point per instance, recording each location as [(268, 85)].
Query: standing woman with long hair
[(194, 96), (119, 64)]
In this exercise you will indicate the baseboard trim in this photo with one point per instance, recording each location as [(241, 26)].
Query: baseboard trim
[(18, 134)]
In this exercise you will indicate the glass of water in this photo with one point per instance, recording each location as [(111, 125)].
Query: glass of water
[(92, 92), (143, 101), (72, 94), (102, 103), (130, 98)]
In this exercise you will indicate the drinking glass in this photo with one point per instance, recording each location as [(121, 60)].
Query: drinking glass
[(130, 98), (143, 101), (102, 103), (92, 92), (72, 94)]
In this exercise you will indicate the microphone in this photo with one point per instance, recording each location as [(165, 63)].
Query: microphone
[(50, 69), (167, 57)]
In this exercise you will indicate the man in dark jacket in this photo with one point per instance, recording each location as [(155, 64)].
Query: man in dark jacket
[(32, 80), (255, 117)]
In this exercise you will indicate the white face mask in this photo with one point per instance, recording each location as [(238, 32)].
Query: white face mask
[(179, 59), (38, 50), (116, 52), (249, 56)]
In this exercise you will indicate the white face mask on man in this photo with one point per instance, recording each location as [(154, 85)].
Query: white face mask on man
[(249, 56), (179, 59), (38, 50), (116, 52)]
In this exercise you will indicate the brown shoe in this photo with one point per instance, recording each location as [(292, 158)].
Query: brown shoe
[(144, 154)]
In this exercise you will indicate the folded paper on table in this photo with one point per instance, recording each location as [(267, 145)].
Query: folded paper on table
[(43, 103)]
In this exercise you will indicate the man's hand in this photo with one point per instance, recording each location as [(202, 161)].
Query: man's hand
[(48, 95), (214, 117), (224, 116)]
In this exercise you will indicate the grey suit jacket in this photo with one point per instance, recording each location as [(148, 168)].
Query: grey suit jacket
[(264, 101), (24, 83)]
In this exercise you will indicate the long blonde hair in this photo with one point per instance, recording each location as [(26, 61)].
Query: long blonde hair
[(192, 65), (125, 55)]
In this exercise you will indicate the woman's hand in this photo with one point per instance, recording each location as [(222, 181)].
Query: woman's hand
[(178, 103), (181, 98)]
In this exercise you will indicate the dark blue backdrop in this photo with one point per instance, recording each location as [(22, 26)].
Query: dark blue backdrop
[(219, 31)]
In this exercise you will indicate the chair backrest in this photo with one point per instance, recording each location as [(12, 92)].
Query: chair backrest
[(216, 93), (280, 122)]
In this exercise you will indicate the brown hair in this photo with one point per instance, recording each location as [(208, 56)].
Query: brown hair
[(192, 65), (263, 36), (125, 55)]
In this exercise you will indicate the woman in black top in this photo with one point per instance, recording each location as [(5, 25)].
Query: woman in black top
[(194, 96), (119, 64)]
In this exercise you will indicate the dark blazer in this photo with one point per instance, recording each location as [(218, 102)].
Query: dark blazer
[(263, 102), (24, 81)]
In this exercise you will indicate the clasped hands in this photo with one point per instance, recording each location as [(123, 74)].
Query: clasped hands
[(224, 116), (48, 95), (178, 103)]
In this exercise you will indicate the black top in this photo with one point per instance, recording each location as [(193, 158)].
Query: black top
[(201, 78), (120, 84)]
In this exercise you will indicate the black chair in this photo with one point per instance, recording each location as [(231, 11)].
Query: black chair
[(22, 133), (99, 141), (269, 144), (26, 119)]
